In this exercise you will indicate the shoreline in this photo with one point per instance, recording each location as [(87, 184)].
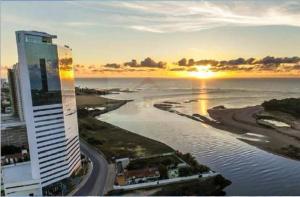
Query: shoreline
[(111, 140), (244, 121)]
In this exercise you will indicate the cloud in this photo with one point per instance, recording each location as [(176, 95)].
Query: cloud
[(145, 28), (185, 62), (148, 62), (80, 24), (187, 16), (268, 63), (113, 65), (273, 60), (177, 69), (266, 67), (207, 62), (192, 62), (231, 68), (133, 63), (296, 67)]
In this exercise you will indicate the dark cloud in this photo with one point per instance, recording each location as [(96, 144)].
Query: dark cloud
[(268, 63), (192, 62), (231, 68), (182, 62), (279, 60), (207, 62), (238, 61), (250, 60), (113, 65), (133, 63), (267, 67), (185, 62), (148, 62)]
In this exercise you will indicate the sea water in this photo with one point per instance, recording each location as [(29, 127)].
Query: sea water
[(251, 170)]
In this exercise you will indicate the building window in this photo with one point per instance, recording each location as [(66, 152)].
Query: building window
[(42, 60), (43, 75)]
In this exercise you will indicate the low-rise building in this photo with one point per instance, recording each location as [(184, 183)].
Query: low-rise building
[(18, 181)]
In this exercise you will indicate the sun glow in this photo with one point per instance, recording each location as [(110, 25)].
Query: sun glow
[(202, 72)]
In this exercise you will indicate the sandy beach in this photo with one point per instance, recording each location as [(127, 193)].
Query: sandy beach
[(244, 121)]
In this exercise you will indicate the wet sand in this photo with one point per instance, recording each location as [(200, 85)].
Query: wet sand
[(243, 121)]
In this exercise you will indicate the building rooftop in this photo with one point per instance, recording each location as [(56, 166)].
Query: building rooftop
[(141, 173), (37, 33), (20, 172)]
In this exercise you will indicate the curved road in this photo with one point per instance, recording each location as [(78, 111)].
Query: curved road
[(95, 184)]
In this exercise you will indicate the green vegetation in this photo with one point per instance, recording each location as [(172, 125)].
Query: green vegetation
[(94, 141), (163, 163), (212, 186), (195, 166), (168, 160), (115, 142), (185, 171), (289, 105)]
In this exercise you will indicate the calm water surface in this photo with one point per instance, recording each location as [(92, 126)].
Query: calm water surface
[(252, 171)]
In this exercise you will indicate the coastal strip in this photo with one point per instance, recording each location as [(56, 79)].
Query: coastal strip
[(284, 141), (115, 142)]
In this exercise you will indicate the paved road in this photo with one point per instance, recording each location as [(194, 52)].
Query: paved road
[(95, 184)]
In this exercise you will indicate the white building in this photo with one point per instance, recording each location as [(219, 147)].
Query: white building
[(18, 181), (45, 78)]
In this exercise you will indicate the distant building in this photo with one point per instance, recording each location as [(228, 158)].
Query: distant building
[(15, 93), (13, 132), (121, 164), (43, 100), (3, 83)]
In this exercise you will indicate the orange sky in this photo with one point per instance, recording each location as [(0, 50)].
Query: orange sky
[(104, 36)]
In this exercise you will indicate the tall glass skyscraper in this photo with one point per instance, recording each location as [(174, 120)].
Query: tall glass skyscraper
[(46, 78)]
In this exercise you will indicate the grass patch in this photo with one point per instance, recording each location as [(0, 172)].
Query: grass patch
[(116, 142), (167, 160)]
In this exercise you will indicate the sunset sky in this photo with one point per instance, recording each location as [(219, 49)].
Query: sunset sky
[(107, 36)]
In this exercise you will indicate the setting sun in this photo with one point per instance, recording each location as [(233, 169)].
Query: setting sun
[(202, 71)]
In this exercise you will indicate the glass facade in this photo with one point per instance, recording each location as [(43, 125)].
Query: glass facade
[(43, 67), (68, 91)]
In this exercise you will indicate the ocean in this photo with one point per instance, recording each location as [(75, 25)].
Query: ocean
[(251, 170)]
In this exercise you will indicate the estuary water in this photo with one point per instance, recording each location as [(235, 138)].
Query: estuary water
[(251, 170)]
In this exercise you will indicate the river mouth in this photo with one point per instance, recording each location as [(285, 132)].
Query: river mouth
[(251, 170)]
